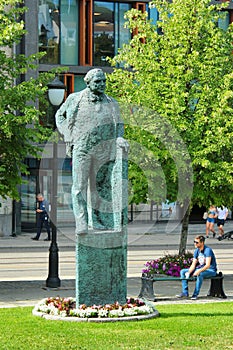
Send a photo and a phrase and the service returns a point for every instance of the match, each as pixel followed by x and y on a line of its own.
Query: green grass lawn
pixel 190 326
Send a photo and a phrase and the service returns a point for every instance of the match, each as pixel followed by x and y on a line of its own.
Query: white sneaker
pixel 182 295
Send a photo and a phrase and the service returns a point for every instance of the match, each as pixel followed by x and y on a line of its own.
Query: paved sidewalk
pixel 146 238
pixel 139 234
pixel 28 293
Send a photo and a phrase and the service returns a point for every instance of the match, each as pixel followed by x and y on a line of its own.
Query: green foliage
pixel 20 129
pixel 181 70
pixel 11 25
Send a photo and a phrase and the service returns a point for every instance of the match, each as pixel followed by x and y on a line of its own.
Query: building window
pixel 83 32
pixel 58 31
pixel 103 32
pixel 69 32
pixel 49 31
pixel 224 22
pixel 109 31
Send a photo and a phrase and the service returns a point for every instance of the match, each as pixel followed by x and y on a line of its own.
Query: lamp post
pixel 56 91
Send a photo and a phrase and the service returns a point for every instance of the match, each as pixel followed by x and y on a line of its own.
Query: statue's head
pixel 96 81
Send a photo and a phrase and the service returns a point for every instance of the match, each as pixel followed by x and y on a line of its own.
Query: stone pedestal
pixel 101 267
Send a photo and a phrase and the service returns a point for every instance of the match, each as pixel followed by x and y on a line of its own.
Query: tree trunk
pixel 184 231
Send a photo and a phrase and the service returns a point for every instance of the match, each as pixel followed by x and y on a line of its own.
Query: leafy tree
pixel 182 69
pixel 20 129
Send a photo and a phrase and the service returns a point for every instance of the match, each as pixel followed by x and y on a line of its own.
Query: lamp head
pixel 56 92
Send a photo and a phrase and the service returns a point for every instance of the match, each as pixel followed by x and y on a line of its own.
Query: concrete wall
pixel 5 217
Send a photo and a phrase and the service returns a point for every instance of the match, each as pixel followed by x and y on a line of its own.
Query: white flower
pixel 90 312
pixel 43 308
pixel 103 313
pixel 37 307
pixel 63 314
pixel 53 310
pixel 145 310
pixel 130 312
pixel 82 313
pixel 74 312
pixel 116 313
pixel 93 311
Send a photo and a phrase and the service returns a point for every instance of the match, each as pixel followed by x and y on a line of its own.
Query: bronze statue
pixel 90 123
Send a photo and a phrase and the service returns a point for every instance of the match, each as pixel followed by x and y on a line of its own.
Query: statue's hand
pixel 122 143
pixel 69 149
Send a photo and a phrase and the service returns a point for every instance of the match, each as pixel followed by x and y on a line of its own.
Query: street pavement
pixel 24 262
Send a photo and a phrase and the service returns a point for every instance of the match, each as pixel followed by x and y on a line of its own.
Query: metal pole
pixel 53 280
pixel 56 97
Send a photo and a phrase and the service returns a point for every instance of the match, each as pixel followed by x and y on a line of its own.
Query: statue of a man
pixel 90 123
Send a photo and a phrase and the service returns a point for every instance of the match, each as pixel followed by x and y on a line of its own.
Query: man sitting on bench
pixel 203 266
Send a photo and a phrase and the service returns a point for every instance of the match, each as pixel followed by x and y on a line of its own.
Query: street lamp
pixel 56 92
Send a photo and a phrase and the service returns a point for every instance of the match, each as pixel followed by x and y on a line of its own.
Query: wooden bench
pixel 147 290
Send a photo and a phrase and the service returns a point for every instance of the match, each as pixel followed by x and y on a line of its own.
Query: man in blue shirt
pixel 42 211
pixel 203 265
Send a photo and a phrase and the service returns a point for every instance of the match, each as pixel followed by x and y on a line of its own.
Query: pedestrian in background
pixel 42 210
pixel 212 215
pixel 222 216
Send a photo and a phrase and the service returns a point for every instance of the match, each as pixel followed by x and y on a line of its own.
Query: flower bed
pixel 66 308
pixel 169 265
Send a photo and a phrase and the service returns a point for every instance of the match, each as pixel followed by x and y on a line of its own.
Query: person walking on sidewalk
pixel 222 216
pixel 212 215
pixel 42 210
pixel 203 266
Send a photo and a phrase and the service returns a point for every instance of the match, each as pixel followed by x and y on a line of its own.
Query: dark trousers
pixel 42 220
